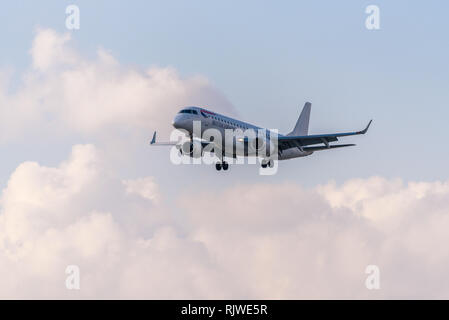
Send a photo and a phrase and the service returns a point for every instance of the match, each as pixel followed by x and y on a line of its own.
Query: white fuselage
pixel 200 123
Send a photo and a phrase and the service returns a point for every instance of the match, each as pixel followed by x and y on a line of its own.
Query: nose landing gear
pixel 222 165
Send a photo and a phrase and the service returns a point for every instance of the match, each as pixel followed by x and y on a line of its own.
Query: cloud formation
pixel 261 241
pixel 64 92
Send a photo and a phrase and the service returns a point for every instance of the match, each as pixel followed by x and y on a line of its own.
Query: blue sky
pixel 269 58
pixel 82 106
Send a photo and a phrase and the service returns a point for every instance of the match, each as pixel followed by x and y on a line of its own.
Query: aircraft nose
pixel 177 122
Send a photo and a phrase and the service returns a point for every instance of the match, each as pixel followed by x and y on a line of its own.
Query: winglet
pixel 153 141
pixel 367 127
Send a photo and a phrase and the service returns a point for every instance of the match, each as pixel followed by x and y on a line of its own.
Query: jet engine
pixel 260 145
pixel 192 149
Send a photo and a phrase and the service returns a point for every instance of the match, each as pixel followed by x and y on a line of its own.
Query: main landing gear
pixel 269 163
pixel 220 165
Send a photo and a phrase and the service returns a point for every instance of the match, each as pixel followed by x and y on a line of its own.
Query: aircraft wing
pixel 154 143
pixel 172 143
pixel 287 142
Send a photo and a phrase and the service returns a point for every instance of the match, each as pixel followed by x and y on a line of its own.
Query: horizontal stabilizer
pixel 326 148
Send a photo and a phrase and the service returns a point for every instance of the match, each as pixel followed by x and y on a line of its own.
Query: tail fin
pixel 302 125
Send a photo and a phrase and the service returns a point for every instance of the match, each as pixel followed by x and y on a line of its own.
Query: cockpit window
pixel 188 111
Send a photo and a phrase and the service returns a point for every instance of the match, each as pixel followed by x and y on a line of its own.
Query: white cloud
pixel 144 187
pixel 50 50
pixel 251 241
pixel 64 92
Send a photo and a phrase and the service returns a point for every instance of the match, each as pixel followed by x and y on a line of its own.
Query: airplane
pixel 248 142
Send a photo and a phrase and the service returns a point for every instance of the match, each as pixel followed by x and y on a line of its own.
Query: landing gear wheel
pixel 267 163
pixel 225 166
pixel 218 166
